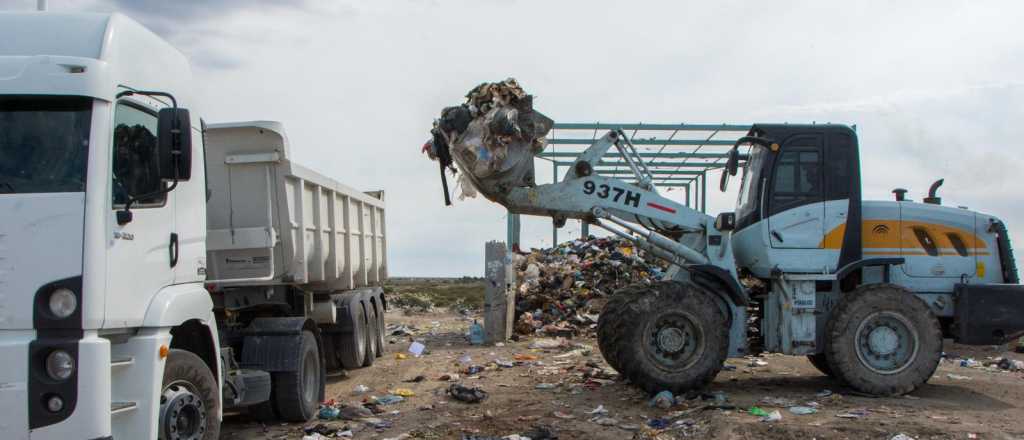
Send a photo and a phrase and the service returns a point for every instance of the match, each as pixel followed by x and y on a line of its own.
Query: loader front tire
pixel 665 336
pixel 820 361
pixel 882 339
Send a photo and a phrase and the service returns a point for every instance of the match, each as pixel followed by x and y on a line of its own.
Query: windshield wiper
pixel 10 188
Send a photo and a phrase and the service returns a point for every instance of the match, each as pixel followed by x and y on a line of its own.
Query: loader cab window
pixel 136 168
pixel 748 201
pixel 798 178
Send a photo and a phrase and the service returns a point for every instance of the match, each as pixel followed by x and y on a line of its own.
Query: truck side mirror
pixel 174 144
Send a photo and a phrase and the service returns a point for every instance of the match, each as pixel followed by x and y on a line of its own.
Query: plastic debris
pixel 773 416
pixel 525 357
pixel 658 423
pixel 606 421
pixel 328 413
pixel 476 333
pixel 546 343
pixel 354 412
pixel 360 389
pixel 563 415
pixel 824 393
pixel 466 394
pixel 663 400
pixel 901 436
pixel 802 410
pixel 853 414
pixel 952 376
pixel 600 411
pixel 757 411
pixel 389 399
pixel 401 356
pixel 403 392
pixel 546 386
pixel 417 348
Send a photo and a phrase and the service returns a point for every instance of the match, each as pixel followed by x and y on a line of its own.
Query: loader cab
pixel 800 187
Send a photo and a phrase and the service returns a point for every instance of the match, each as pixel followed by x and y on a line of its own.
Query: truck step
pixel 121 361
pixel 120 407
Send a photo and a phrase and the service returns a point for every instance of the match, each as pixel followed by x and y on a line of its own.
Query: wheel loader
pixel 867 290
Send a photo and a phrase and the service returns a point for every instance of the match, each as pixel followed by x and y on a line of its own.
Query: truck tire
pixel 189 399
pixel 882 339
pixel 371 334
pixel 352 349
pixel 820 361
pixel 378 305
pixel 296 394
pixel 610 325
pixel 672 336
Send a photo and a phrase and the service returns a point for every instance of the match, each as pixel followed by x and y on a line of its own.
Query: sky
pixel 934 88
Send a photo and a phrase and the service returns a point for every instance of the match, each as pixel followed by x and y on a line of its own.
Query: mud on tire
pixel 882 339
pixel 666 336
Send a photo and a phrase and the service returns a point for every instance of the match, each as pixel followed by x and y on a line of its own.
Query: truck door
pixel 796 210
pixel 139 252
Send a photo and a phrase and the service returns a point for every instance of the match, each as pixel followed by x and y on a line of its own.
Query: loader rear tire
pixel 666 336
pixel 820 361
pixel 882 339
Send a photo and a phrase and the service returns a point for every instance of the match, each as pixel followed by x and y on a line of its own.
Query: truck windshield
pixel 748 200
pixel 44 143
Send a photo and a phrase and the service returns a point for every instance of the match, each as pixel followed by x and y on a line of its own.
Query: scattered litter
pixel 465 360
pixel 777 401
pixel 773 416
pixel 606 421
pixel 548 343
pixel 546 386
pixel 952 376
pixel 853 414
pixel 328 413
pixel 401 356
pixel 969 363
pixel 901 436
pixel 466 394
pixel 600 411
pixel 451 377
pixel 389 399
pixel 354 412
pixel 563 415
pixel 757 411
pixel 360 389
pixel 417 348
pixel 802 410
pixel 403 392
pixel 473 369
pixel 824 393
pixel 663 400
pixel 658 423
pixel 525 357
pixel 476 333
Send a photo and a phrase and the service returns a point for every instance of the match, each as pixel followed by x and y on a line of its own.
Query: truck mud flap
pixel 273 344
pixel 988 314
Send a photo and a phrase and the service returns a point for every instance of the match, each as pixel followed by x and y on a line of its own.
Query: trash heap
pixel 491 139
pixel 562 290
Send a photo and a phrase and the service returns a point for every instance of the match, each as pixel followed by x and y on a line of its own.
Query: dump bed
pixel 273 221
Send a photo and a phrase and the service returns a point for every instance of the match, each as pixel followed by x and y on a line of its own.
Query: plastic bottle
pixel 476 334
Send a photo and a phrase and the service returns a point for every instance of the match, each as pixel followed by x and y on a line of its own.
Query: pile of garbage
pixel 562 290
pixel 491 138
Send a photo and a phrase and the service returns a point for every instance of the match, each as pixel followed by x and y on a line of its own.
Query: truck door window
pixel 136 170
pixel 797 179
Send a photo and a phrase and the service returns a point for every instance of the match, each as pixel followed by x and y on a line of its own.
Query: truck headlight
pixel 63 303
pixel 60 365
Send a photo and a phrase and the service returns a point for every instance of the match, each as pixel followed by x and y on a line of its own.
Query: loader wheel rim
pixel 674 342
pixel 182 413
pixel 887 343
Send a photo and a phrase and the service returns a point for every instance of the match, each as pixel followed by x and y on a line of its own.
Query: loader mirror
pixel 174 144
pixel 731 167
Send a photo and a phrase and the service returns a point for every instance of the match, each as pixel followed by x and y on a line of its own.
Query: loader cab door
pixel 796 209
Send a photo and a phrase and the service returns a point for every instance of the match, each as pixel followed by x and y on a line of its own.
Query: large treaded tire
pixel 378 306
pixel 820 361
pixel 296 395
pixel 611 326
pixel 861 309
pixel 630 332
pixel 371 334
pixel 186 367
pixel 352 350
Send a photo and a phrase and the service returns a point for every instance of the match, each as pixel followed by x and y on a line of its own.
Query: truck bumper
pixel 90 416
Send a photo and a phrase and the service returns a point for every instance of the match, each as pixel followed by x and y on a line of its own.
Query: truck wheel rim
pixel 310 377
pixel 182 413
pixel 674 342
pixel 887 343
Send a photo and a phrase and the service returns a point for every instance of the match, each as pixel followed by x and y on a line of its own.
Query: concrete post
pixel 500 293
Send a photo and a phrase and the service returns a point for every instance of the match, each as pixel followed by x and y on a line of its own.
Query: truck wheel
pixel 378 305
pixel 883 340
pixel 610 325
pixel 821 363
pixel 673 337
pixel 189 400
pixel 353 346
pixel 371 334
pixel 297 394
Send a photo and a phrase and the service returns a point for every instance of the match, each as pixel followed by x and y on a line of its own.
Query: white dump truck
pixel 156 270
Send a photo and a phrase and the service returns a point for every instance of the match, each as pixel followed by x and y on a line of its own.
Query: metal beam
pixel 655 172
pixel 641 141
pixel 672 155
pixel 707 165
pixel 642 126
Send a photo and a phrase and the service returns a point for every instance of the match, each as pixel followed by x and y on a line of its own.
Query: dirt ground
pixel 958 403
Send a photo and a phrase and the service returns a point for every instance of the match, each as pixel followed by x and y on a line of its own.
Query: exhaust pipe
pixel 932 199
